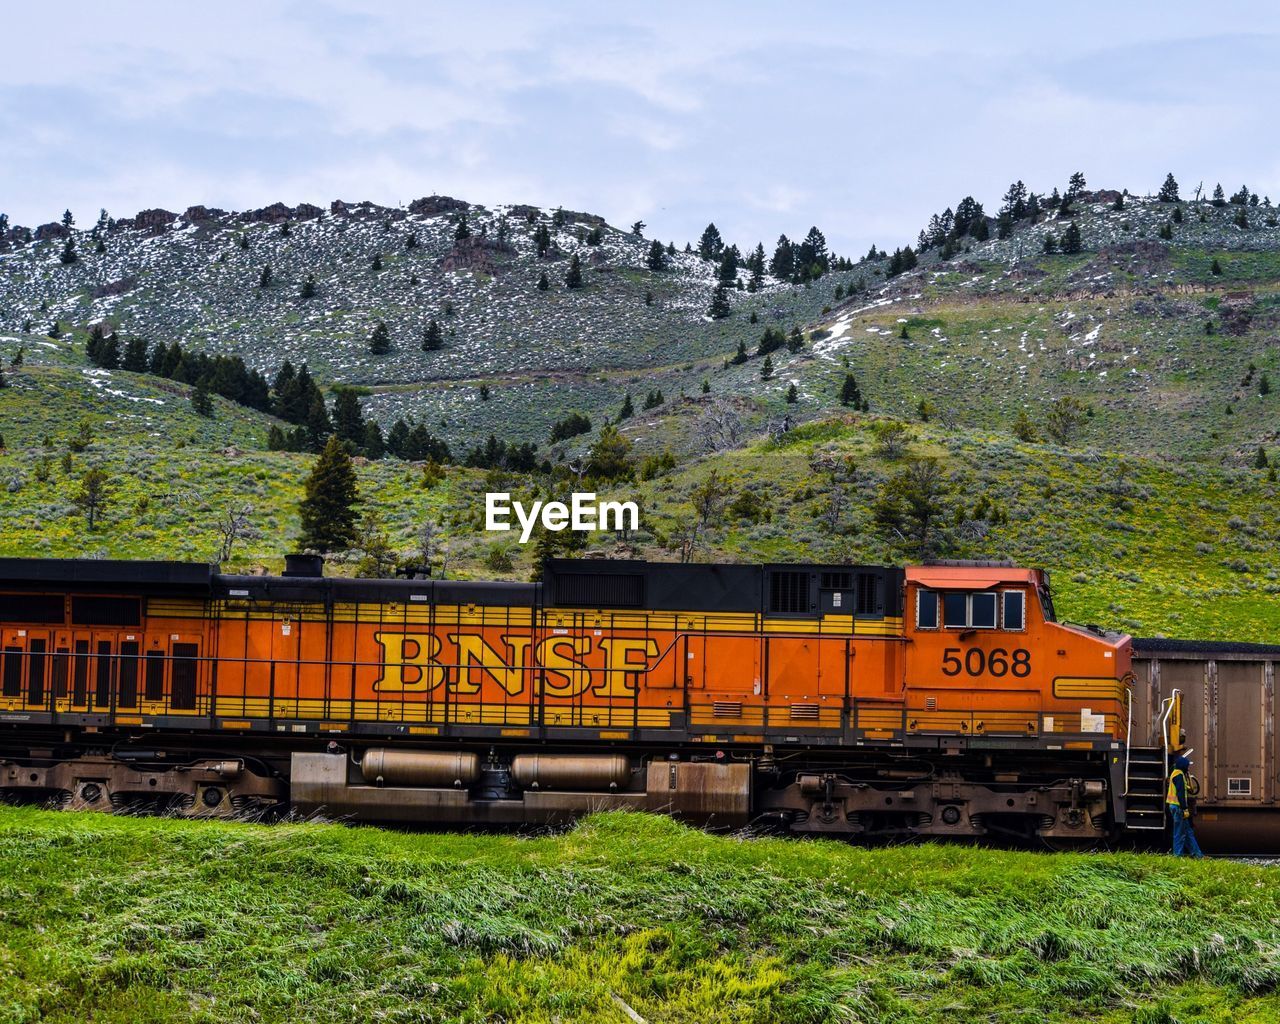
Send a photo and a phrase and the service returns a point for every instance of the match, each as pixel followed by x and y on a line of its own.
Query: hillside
pixel 625 917
pixel 1152 511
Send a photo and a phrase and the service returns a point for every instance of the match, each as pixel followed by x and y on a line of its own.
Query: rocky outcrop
pixel 51 230
pixel 153 221
pixel 203 214
pixel 430 206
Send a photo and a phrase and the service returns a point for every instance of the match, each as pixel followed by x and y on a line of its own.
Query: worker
pixel 1179 807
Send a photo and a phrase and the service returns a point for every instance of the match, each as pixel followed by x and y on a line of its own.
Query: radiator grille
pixel 726 709
pixel 804 712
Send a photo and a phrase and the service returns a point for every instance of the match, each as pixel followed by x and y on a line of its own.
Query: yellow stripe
pixel 1072 688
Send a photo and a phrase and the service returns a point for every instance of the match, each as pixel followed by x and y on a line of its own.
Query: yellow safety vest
pixel 1171 797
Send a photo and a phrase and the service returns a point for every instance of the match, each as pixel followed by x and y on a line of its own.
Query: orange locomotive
pixel 936 700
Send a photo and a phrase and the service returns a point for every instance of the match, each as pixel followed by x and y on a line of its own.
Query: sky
pixel 764 118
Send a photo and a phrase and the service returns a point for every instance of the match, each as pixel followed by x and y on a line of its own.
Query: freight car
pixel 865 701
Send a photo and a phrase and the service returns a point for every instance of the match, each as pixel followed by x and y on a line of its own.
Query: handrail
pixel 1128 740
pixel 1167 706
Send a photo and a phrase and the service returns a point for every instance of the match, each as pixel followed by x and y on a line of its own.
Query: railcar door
pixel 128 672
pixel 36 671
pixel 184 652
pixel 103 673
pixel 13 649
pixel 81 670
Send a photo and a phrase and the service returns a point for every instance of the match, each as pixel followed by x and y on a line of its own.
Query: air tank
pixel 571 771
pixel 440 768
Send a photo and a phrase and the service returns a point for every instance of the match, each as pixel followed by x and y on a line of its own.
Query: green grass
pixel 124 919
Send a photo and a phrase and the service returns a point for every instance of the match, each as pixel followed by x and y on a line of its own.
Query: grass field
pixel 150 920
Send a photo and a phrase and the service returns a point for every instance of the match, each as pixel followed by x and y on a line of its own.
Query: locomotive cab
pixel 986 656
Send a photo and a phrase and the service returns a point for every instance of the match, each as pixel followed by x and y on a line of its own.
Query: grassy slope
pixel 1134 543
pixel 138 920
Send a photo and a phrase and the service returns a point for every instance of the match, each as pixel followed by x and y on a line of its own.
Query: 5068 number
pixel 976 662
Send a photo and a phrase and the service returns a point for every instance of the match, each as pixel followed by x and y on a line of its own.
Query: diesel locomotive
pixel 863 701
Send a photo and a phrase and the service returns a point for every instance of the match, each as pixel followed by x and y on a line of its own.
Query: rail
pixel 1128 740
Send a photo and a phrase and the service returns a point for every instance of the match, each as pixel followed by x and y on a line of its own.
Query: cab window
pixel 927 609
pixel 1014 609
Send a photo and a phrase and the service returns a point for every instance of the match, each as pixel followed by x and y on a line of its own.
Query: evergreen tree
pixel 328 509
pixel 462 232
pixel 1219 197
pixel 1216 268
pixel 1071 241
pixel 1260 460
pixel 710 245
pixel 376 265
pixel 595 236
pixel 657 258
pixel 1075 188
pixel 318 424
pixel 374 446
pixel 264 279
pixel 1050 243
pixel 69 252
pixel 348 421
pixel 1169 190
pixel 67 220
pixel 542 239
pixel 740 356
pixel 755 263
pixel 543 283
pixel 792 395
pixel 380 340
pixel 200 400
pixel 94 497
pixel 783 263
pixel 411 241
pixel 432 337
pixel 766 369
pixel 1264 385
pixel 610 457
pixel 308 287
pixel 849 393
pixel 728 264
pixel 706 386
pixel 573 277
pixel 135 355
pixel 719 308
pixel 109 358
pixel 627 410
pixel 398 439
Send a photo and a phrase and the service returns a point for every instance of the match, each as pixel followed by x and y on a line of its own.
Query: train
pixel 941 700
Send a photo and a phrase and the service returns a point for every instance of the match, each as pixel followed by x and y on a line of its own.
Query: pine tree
pixel 1216 268
pixel 710 245
pixel 1260 460
pixel 94 496
pixel 543 283
pixel 627 410
pixel 1219 196
pixel 1050 243
pixel 792 395
pixel 706 386
pixel 328 509
pixel 67 220
pixel 542 239
pixel 348 421
pixel 719 308
pixel 573 277
pixel 1071 241
pixel 766 369
pixel 109 354
pixel 849 393
pixel 135 355
pixel 376 265
pixel 1264 385
pixel 432 337
pixel 69 252
pixel 657 258
pixel 264 279
pixel 1169 190
pixel 380 340
pixel 200 400
pixel 309 287
pixel 740 356
pixel 462 232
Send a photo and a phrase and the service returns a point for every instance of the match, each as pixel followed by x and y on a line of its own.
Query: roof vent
pixel 303 565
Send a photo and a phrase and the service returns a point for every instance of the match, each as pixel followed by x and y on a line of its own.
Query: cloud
pixel 761 117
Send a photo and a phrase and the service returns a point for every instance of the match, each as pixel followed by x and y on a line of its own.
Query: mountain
pixel 1100 412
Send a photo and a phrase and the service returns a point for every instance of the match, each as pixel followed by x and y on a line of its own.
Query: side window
pixel 1013 609
pixel 982 611
pixel 927 609
pixel 955 610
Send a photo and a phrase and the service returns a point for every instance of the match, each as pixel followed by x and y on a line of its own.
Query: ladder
pixel 1146 769
pixel 1146 782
